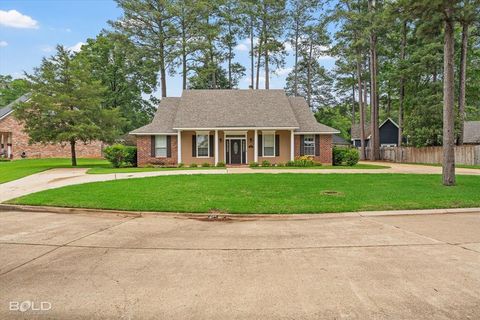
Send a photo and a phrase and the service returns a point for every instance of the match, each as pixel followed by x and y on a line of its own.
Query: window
pixel 269 145
pixel 309 145
pixel 161 146
pixel 203 145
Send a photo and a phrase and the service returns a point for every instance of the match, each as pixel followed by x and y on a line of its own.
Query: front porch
pixel 6 145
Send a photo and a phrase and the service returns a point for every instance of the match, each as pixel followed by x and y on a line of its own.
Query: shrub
pixel 221 164
pixel 205 165
pixel 351 157
pixel 116 154
pixel 338 156
pixel 253 164
pixel 266 163
pixel 181 165
pixel 131 156
pixel 304 161
pixel 193 165
pixel 280 164
pixel 290 163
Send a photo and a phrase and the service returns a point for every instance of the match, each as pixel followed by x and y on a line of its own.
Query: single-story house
pixel 339 141
pixel 14 142
pixel 233 126
pixel 388 134
pixel 471 132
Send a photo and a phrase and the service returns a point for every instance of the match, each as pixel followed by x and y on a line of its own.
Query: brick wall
pixel 144 152
pixel 20 144
pixel 325 156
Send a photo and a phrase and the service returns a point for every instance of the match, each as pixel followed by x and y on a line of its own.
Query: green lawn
pixel 357 166
pixel 12 170
pixel 266 193
pixel 109 169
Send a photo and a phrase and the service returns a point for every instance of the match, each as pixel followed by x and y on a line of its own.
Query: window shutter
pixel 260 148
pixel 169 146
pixel 194 145
pixel 277 145
pixel 302 145
pixel 212 144
pixel 317 145
pixel 152 146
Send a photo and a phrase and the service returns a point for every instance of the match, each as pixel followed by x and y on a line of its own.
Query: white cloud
pixel 288 46
pixel 76 47
pixel 15 19
pixel 241 47
pixel 3 44
pixel 283 71
pixel 46 49
pixel 68 30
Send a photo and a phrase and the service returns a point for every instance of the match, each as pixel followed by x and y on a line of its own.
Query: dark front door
pixel 236 151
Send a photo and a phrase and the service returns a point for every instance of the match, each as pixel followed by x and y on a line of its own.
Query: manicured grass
pixel 109 169
pixel 357 166
pixel 266 193
pixel 16 169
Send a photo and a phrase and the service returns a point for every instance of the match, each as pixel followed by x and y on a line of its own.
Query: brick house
pixel 14 141
pixel 233 126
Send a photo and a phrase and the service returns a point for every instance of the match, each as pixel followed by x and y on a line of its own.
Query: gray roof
pixel 338 140
pixel 164 117
pixel 355 131
pixel 234 108
pixel 305 117
pixel 9 107
pixel 210 109
pixel 471 132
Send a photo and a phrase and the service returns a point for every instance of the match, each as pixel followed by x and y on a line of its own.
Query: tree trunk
pixel 252 62
pixel 229 58
pixel 353 100
pixel 448 172
pixel 375 134
pixel 267 71
pixel 402 84
pixel 361 108
pixel 184 56
pixel 258 61
pixel 73 153
pixel 295 66
pixel 463 78
pixel 309 76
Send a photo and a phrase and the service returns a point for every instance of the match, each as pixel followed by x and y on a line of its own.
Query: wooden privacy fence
pixel 469 155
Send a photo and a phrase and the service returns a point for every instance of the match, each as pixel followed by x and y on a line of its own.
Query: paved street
pixel 299 267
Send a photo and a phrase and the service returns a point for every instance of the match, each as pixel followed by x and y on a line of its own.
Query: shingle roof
pixel 164 117
pixel 305 117
pixel 234 108
pixel 337 140
pixel 355 131
pixel 471 132
pixel 210 109
pixel 9 107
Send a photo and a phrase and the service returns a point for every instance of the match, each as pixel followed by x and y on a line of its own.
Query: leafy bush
pixel 193 165
pixel 221 164
pixel 280 164
pixel 253 164
pixel 120 155
pixel 304 161
pixel 342 156
pixel 351 157
pixel 205 165
pixel 290 163
pixel 266 163
pixel 181 165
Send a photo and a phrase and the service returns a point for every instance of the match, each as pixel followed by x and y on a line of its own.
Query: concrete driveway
pixel 301 267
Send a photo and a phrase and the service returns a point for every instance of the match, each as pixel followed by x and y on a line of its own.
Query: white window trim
pixel 203 133
pixel 268 133
pixel 166 146
pixel 311 155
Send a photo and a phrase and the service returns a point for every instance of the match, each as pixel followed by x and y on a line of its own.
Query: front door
pixel 235 151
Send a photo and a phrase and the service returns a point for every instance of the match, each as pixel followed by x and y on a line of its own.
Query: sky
pixel 30 30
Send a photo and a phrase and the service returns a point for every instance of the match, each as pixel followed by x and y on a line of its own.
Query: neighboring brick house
pixel 233 126
pixel 14 141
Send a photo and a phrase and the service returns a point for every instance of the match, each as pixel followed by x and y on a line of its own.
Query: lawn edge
pixel 288 216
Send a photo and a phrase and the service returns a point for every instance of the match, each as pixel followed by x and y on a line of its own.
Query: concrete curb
pixel 220 216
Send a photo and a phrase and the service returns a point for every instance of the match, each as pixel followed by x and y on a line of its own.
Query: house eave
pixel 6 115
pixel 237 128
pixel 316 132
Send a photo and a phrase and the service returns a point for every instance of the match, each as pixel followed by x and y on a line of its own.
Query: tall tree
pixel 11 89
pixel 116 64
pixel 66 104
pixel 374 122
pixel 149 24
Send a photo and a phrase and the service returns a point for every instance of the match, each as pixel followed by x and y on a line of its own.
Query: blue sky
pixel 30 30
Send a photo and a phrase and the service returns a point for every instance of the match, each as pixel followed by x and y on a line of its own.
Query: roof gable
pixel 8 109
pixel 306 119
pixel 471 132
pixel 163 120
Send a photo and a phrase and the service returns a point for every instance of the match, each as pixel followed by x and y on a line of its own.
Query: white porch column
pixel 216 147
pixel 255 147
pixel 179 146
pixel 292 146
